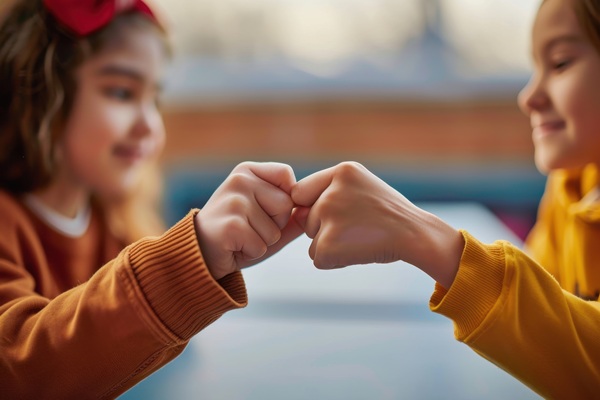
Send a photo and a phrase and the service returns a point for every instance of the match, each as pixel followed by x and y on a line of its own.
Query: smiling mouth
pixel 548 128
pixel 129 154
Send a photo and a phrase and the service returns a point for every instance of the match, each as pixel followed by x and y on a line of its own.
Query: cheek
pixel 95 124
pixel 159 133
pixel 584 117
pixel 567 98
pixel 580 98
pixel 579 108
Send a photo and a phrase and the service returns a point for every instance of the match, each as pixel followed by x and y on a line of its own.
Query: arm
pixel 504 305
pixel 98 339
pixel 138 311
pixel 515 314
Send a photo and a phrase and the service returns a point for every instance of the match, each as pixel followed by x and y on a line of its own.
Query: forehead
pixel 135 42
pixel 555 18
pixel 138 49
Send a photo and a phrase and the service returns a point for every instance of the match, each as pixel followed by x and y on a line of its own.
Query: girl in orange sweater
pixel 93 295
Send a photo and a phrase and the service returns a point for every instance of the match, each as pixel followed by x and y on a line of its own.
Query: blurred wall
pixel 380 132
pixel 431 151
pixel 422 92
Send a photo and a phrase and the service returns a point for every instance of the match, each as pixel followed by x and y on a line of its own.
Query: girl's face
pixel 114 127
pixel 562 98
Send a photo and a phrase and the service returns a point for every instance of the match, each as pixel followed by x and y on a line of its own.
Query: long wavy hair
pixel 38 60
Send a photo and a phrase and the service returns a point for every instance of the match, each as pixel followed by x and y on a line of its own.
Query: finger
pixel 300 215
pixel 250 250
pixel 247 242
pixel 276 203
pixel 264 226
pixel 289 233
pixel 325 255
pixel 277 174
pixel 312 250
pixel 312 224
pixel 308 190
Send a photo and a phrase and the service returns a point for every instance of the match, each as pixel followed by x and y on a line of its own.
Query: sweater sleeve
pixel 100 338
pixel 512 312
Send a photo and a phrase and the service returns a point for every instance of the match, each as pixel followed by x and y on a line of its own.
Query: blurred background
pixel 422 92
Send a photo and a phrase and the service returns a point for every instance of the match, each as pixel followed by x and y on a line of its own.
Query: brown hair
pixel 588 13
pixel 38 60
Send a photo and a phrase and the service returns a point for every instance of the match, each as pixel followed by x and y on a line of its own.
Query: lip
pixel 547 128
pixel 130 154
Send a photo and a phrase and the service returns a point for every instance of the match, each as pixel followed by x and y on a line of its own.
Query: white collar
pixel 72 227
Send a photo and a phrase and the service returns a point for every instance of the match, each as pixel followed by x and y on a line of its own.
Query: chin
pixel 545 165
pixel 118 190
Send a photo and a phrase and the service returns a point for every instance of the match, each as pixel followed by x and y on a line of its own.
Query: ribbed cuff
pixel 177 284
pixel 476 288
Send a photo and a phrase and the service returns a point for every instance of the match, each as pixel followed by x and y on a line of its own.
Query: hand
pixel 247 219
pixel 356 218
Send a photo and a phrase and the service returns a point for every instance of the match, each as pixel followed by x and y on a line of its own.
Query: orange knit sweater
pixel 86 318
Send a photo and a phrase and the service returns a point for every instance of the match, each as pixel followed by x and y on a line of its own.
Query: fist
pixel 356 218
pixel 247 218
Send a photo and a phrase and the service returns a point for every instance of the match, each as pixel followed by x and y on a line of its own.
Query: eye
pixel 119 93
pixel 560 65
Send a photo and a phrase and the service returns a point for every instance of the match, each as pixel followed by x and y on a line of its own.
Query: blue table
pixel 364 332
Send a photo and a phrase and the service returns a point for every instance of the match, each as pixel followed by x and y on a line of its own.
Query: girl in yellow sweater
pixel 86 311
pixel 538 318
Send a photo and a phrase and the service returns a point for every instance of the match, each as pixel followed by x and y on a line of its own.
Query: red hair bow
pixel 86 16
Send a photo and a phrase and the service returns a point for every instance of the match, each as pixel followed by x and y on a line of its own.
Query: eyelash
pixel 124 94
pixel 560 65
pixel 119 93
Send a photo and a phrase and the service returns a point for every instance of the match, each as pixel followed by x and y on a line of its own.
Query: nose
pixel 148 122
pixel 533 96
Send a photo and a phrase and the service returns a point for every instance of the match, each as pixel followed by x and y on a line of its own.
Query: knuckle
pixel 284 204
pixel 348 169
pixel 235 225
pixel 238 181
pixel 243 166
pixel 287 170
pixel 238 204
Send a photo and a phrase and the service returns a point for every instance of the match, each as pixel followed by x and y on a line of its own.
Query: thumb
pixel 300 215
pixel 308 190
pixel 277 174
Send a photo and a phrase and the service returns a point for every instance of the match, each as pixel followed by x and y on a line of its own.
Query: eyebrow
pixel 560 39
pixel 119 70
pixel 123 71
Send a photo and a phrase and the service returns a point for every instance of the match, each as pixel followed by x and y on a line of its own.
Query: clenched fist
pixel 354 217
pixel 247 219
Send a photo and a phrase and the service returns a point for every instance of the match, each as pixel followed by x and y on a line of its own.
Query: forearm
pixel 100 338
pixel 512 312
pixel 437 247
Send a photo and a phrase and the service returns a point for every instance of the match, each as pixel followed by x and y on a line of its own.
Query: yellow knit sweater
pixel 86 318
pixel 538 320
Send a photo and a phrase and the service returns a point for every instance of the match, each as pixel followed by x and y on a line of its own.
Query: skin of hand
pixel 354 217
pixel 248 217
